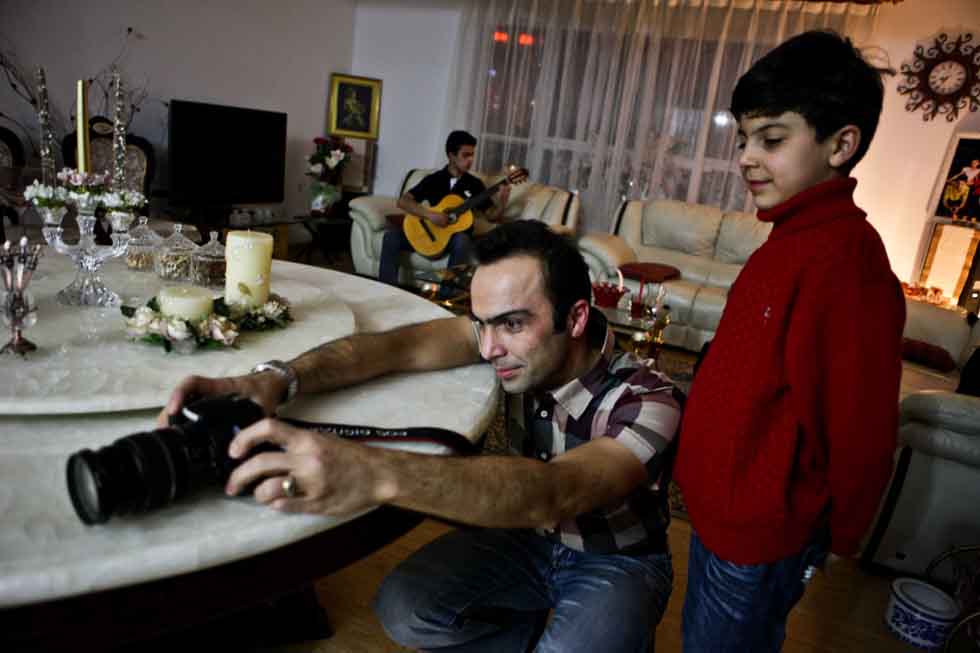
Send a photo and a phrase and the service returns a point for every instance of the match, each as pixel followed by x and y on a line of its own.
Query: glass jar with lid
pixel 208 264
pixel 144 244
pixel 174 258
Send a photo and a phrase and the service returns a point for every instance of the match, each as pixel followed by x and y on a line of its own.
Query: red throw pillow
pixel 926 354
pixel 650 272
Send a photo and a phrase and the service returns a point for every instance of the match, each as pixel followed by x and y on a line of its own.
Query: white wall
pixel 410 47
pixel 249 53
pixel 897 177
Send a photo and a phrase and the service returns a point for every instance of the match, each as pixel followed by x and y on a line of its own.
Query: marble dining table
pixel 88 385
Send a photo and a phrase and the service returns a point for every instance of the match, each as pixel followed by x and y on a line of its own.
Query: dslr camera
pixel 144 471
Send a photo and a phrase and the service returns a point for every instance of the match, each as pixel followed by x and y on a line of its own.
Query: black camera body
pixel 148 470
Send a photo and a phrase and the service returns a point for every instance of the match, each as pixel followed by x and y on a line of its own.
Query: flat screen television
pixel 221 156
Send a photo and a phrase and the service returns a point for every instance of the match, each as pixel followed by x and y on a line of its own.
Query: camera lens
pixel 133 474
pixel 148 470
pixel 83 488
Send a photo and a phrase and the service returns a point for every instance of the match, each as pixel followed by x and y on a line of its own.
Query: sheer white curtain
pixel 621 99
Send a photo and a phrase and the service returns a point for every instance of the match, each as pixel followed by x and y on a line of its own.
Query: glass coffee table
pixel 449 287
pixel 640 335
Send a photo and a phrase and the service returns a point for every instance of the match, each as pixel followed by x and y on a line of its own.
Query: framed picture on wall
pixel 355 106
pixel 957 195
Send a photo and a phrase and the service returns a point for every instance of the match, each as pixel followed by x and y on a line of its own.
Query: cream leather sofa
pixel 528 201
pixel 933 497
pixel 707 245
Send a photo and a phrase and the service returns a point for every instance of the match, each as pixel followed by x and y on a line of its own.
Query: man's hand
pixel 333 477
pixel 439 219
pixel 266 389
pixel 503 196
pixel 500 203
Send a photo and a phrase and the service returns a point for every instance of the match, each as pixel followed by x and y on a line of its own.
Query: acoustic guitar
pixel 429 239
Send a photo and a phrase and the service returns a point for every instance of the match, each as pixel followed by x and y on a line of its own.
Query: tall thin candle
pixel 82 149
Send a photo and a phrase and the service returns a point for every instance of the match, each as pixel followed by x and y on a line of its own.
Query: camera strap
pixel 444 437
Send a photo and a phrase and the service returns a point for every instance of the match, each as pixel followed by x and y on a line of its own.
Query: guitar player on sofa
pixel 456 179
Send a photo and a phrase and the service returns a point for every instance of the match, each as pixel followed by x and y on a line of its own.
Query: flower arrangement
pixel 45 196
pixel 82 183
pixel 218 330
pixel 328 159
pixel 124 200
pixel 325 166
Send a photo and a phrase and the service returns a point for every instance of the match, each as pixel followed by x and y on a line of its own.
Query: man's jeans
pixel 394 242
pixel 491 589
pixel 730 607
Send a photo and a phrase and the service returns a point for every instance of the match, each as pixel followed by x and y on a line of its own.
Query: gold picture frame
pixel 355 107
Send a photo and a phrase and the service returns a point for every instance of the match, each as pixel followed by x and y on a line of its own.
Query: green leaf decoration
pixel 153 304
pixel 243 289
pixel 127 311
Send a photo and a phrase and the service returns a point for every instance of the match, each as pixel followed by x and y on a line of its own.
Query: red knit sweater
pixel 792 418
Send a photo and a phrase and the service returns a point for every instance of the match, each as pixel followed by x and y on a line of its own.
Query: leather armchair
pixel 554 206
pixel 931 503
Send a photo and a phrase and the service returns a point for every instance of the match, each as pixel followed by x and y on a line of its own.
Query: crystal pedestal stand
pixel 88 289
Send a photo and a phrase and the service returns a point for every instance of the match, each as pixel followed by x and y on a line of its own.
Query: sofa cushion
pixel 923 353
pixel 709 304
pixel 740 234
pixel 680 296
pixel 688 228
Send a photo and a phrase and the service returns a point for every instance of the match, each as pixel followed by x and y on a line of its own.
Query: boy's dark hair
pixel 458 139
pixel 821 76
pixel 566 276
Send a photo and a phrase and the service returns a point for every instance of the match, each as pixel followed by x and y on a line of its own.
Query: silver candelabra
pixel 87 289
pixel 19 308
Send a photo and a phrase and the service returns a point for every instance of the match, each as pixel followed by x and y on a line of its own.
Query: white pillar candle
pixel 186 302
pixel 248 256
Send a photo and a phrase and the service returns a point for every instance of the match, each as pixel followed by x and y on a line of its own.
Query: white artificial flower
pixel 143 317
pixel 176 329
pixel 113 200
pixel 133 199
pixel 273 310
pixel 219 328
pixel 336 156
pixel 316 168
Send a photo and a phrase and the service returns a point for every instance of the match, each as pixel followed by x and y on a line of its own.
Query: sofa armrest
pixel 370 211
pixel 942 423
pixel 605 253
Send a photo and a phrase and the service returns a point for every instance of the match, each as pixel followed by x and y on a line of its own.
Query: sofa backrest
pixel 528 201
pixel 740 234
pixel 708 246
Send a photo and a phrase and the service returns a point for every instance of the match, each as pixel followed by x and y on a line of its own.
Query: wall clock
pixel 943 78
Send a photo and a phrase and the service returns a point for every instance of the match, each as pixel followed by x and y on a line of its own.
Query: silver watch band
pixel 277 366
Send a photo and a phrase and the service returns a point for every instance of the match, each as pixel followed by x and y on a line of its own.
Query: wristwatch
pixel 280 368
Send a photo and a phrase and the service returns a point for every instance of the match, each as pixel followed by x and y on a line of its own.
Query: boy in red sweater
pixel 790 427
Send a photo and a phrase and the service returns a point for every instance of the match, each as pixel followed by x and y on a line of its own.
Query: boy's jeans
pixel 741 608
pixel 491 589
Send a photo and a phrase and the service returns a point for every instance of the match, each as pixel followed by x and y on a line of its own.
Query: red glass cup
pixel 638 309
pixel 606 294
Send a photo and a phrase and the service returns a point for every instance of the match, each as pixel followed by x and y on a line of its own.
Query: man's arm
pixel 408 204
pixel 340 478
pixel 500 199
pixel 437 344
